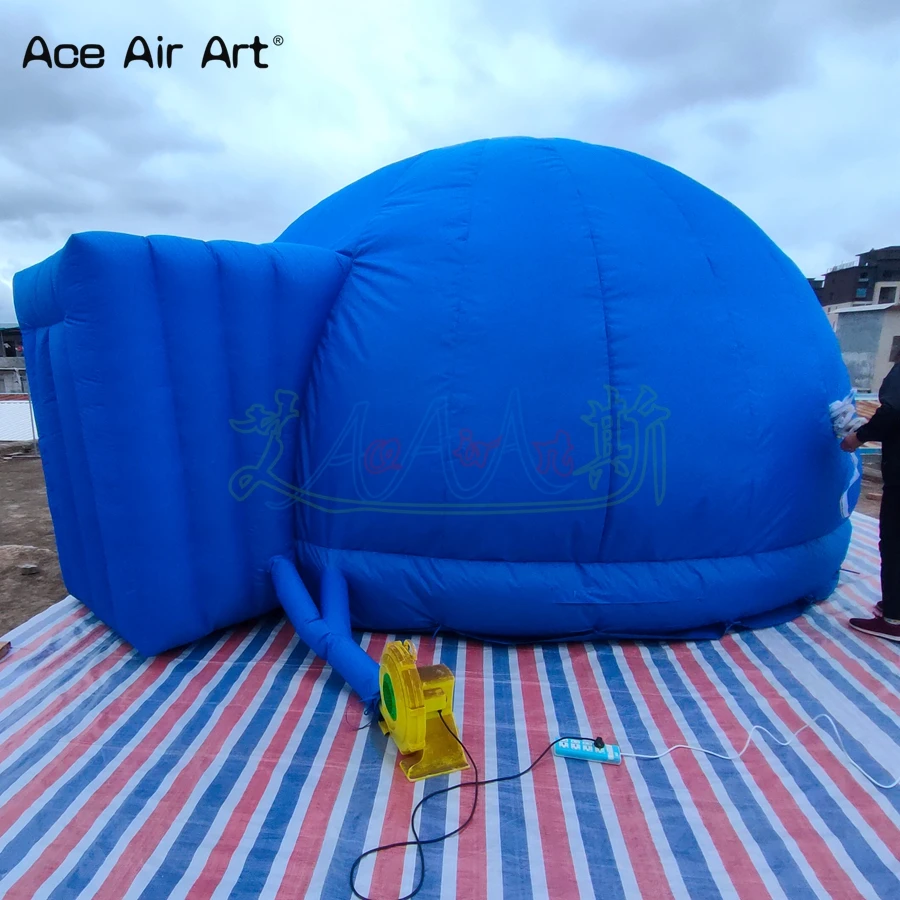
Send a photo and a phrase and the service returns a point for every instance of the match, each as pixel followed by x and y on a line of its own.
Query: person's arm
pixel 885 423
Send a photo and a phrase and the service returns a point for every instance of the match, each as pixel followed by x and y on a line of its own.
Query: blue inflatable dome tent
pixel 514 389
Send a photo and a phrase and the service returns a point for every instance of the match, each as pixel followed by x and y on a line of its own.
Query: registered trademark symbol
pixel 278 40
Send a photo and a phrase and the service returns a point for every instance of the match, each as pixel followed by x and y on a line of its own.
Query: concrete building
pixel 870 341
pixel 818 285
pixel 10 340
pixel 861 281
pixel 12 363
pixel 862 302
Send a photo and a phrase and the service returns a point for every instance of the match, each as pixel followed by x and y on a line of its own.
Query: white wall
pixel 889 330
pixel 16 420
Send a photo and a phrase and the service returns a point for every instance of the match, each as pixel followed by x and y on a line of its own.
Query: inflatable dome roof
pixel 514 389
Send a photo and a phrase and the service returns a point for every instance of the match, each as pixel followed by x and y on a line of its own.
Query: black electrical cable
pixel 418 842
pixel 366 713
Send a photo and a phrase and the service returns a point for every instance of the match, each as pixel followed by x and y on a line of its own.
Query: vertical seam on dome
pixel 460 288
pixel 328 322
pixel 784 262
pixel 609 368
pixel 315 359
pixel 379 212
pixel 741 349
pixel 791 270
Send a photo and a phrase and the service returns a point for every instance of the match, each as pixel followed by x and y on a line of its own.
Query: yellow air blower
pixel 413 700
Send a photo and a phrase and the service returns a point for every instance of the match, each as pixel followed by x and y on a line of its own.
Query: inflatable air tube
pixel 327 634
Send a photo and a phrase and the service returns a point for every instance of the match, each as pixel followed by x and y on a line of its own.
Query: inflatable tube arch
pixel 515 389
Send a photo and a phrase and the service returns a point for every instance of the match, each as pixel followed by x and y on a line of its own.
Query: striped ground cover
pixel 235 768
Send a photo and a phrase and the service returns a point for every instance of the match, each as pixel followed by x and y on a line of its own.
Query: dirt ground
pixel 870 494
pixel 870 506
pixel 26 536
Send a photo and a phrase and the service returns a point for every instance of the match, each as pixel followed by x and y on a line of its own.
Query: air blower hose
pixel 327 633
pixel 414 704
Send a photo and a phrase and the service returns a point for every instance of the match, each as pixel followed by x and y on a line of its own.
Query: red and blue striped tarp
pixel 237 768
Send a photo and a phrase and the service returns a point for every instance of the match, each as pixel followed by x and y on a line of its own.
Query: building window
pixel 895 349
pixel 888 294
pixel 864 277
pixel 861 293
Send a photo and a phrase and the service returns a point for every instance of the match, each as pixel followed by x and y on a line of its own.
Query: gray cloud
pixel 83 150
pixel 64 134
pixel 686 52
pixel 775 104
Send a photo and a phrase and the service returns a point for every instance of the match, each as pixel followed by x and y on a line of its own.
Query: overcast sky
pixel 786 107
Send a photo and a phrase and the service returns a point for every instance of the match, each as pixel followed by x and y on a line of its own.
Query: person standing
pixel 884 426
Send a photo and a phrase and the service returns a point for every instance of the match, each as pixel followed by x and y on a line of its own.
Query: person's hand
pixel 851 442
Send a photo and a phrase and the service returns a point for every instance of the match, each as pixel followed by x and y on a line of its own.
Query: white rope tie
pixel 844 418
